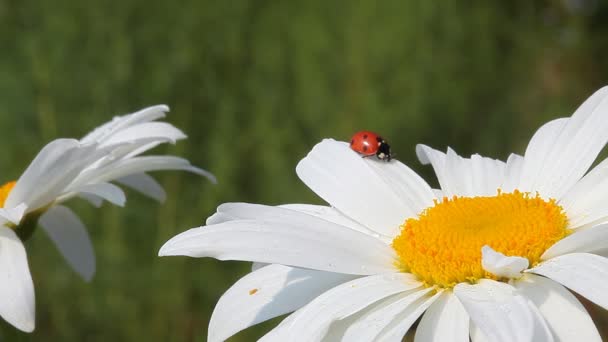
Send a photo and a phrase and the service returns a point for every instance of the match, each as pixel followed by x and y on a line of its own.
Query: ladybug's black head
pixel 384 150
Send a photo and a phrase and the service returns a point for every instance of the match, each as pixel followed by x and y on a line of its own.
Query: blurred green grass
pixel 255 84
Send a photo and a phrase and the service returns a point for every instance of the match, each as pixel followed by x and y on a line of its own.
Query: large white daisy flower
pixel 66 168
pixel 491 255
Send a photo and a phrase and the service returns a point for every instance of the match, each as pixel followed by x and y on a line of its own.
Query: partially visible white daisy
pixel 87 168
pixel 491 255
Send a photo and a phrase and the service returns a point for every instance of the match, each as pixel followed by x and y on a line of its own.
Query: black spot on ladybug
pixel 365 148
pixel 364 136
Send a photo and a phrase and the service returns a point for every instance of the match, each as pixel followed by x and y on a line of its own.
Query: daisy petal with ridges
pixel 491 255
pixel 246 303
pixel 86 168
pixel 17 304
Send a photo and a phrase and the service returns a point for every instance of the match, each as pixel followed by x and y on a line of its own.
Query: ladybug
pixel 369 144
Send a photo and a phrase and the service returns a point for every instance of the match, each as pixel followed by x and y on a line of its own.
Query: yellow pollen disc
pixel 4 191
pixel 443 245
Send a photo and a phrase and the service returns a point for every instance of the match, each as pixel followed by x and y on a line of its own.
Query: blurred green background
pixel 255 84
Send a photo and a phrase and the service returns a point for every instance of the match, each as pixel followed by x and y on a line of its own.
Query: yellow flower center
pixel 4 191
pixel 443 245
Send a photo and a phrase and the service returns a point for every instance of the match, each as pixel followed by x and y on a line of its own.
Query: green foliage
pixel 255 84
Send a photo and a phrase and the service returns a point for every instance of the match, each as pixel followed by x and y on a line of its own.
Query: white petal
pixel 287 237
pixel 446 320
pixel 565 315
pixel 312 322
pixel 476 333
pixel 218 218
pixel 267 293
pixel 513 171
pixel 437 159
pixel 145 131
pixel 502 265
pixel 16 286
pixel 54 167
pixel 348 182
pixel 488 175
pixel 257 265
pixel 12 215
pixel 143 148
pixel 253 211
pixel 145 184
pixel 542 332
pixel 399 327
pixel 585 202
pixel 118 123
pixel 116 153
pixel 136 165
pixel 573 151
pixel 377 318
pixel 95 201
pixel 537 152
pixel 583 273
pixel 106 191
pixel 458 176
pixel 71 238
pixel 497 310
pixel 588 240
pixel 407 184
pixel 439 194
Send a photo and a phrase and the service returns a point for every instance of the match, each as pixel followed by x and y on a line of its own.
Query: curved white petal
pixel 403 308
pixel 439 194
pixel 487 175
pixel 537 152
pixel 437 159
pixel 234 211
pixel 445 321
pixel 458 176
pixel 105 191
pixel 267 293
pixel 397 330
pixel 573 149
pixel 145 184
pixel 565 315
pixel 348 182
pixel 257 265
pixel 583 273
pixel 476 334
pixel 136 165
pixel 594 239
pixel 585 202
pixel 71 238
pixel 12 215
pixel 407 184
pixel 49 173
pixel 542 332
pixel 95 201
pixel 497 310
pixel 502 265
pixel 312 322
pixel 118 123
pixel 513 172
pixel 290 238
pixel 149 130
pixel 16 286
pixel 332 215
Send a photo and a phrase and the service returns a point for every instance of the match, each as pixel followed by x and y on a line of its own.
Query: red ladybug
pixel 369 144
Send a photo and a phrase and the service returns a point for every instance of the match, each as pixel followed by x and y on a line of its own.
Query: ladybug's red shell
pixel 365 142
pixel 369 144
